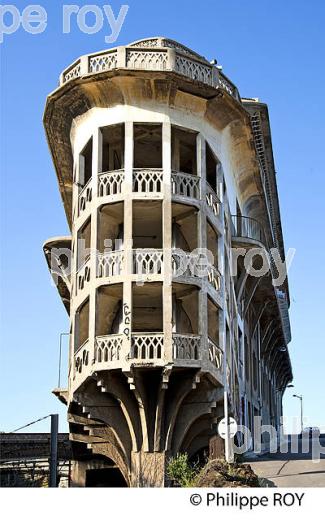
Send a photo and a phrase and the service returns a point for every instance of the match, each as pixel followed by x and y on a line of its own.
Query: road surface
pixel 292 469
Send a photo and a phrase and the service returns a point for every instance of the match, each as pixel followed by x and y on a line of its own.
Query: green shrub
pixel 181 471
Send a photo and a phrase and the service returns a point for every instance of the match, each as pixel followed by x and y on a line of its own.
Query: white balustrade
pixel 102 62
pixel 73 72
pixel 148 261
pixel 186 346
pixel 83 275
pixel 229 87
pixel 146 59
pixel 85 196
pixel 214 278
pixel 212 200
pixel 188 264
pixel 194 69
pixel 215 354
pixel 110 264
pixel 153 55
pixel 108 348
pixel 147 346
pixel 185 185
pixel 147 180
pixel 183 263
pixel 110 183
pixel 81 357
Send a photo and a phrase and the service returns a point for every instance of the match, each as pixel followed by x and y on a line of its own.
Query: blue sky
pixel 271 49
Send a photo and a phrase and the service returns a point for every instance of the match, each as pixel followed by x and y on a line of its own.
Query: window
pixel 82 324
pixel 147 146
pixel 113 147
pixel 85 163
pixel 211 168
pixel 184 151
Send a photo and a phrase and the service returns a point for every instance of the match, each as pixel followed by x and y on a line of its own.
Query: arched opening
pixel 105 477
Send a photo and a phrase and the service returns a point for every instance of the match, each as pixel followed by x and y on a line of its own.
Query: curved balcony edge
pixel 146 350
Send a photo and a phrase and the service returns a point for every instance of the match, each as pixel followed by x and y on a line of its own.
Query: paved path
pixel 291 469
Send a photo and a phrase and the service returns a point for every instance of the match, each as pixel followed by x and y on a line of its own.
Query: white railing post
pixel 96 167
pixel 84 62
pixel 202 244
pixel 167 242
pixel 128 240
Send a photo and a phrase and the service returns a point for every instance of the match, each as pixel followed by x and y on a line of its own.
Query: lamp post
pixel 301 412
pixel 279 393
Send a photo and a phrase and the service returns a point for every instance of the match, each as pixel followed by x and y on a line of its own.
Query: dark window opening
pixel 113 148
pixel 147 308
pixel 83 243
pixel 147 146
pixel 211 168
pixel 86 162
pixel 184 151
pixel 82 325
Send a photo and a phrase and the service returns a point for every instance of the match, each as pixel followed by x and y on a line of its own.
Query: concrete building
pixel 25 459
pixel 159 159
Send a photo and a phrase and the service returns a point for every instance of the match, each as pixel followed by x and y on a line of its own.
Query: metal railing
pixel 247 227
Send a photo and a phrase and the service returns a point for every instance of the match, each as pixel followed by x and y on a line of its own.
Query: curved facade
pixel 160 167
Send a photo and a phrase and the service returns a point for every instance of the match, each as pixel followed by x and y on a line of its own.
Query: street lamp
pixel 301 412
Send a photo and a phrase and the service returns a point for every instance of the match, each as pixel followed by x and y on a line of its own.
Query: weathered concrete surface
pixel 292 470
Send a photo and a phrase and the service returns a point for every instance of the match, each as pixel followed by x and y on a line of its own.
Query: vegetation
pixel 181 471
pixel 215 473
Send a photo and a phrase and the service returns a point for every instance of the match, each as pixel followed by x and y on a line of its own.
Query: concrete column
pixel 222 317
pixel 128 237
pixel 167 242
pixel 96 168
pixel 74 260
pixel 202 244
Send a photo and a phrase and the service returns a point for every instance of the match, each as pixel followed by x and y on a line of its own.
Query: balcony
pixel 147 180
pixel 108 348
pixel 213 202
pixel 117 351
pixel 247 231
pixel 148 262
pixel 110 183
pixel 148 183
pixel 185 265
pixel 110 264
pixel 154 54
pixel 215 354
pixel 186 186
pixel 82 362
pixel 147 346
pixel 83 276
pixel 85 197
pixel 186 346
